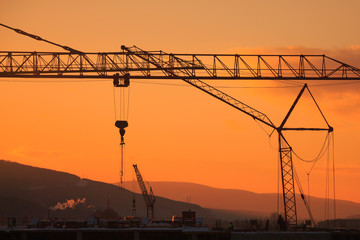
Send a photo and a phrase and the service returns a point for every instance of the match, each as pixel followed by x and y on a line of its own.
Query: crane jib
pixel 184 66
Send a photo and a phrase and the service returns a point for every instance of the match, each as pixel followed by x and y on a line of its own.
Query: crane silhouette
pixel 194 69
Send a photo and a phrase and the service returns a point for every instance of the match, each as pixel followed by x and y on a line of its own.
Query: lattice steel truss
pixel 287 178
pixel 188 66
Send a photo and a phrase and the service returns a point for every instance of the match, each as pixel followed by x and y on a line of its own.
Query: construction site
pixel 134 63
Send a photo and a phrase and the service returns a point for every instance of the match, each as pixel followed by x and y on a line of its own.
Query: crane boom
pixel 76 64
pixel 148 196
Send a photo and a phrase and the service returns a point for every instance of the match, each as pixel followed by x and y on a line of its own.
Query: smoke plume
pixel 70 203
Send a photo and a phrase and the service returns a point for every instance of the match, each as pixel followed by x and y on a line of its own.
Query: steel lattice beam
pixel 287 177
pixel 189 66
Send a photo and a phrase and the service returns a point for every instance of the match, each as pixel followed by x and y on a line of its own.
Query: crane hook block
pixel 121 124
pixel 122 133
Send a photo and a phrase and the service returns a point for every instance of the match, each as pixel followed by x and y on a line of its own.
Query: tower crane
pixel 194 69
pixel 149 197
pixel 285 150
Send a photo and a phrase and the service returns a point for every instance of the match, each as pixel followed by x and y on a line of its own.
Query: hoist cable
pixel 120 150
pixel 114 103
pixel 278 188
pixel 122 167
pixel 292 82
pixel 120 104
pixel 262 127
pixel 312 167
pixel 333 156
pixel 327 217
pixel 121 145
pixel 320 154
pixel 308 180
pixel 123 116
pixel 128 103
pixel 123 103
pixel 172 84
pixel 297 180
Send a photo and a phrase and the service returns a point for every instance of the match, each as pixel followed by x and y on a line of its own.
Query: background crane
pixel 136 63
pixel 148 196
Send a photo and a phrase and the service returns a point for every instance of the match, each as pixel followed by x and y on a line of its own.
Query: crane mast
pixel 149 197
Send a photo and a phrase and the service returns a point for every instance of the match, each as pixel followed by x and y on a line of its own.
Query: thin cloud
pixel 344 94
pixel 26 153
pixel 349 54
pixel 353 170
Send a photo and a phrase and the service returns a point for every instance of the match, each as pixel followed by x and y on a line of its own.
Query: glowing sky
pixel 176 132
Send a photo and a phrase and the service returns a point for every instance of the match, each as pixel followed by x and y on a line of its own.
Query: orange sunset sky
pixel 176 132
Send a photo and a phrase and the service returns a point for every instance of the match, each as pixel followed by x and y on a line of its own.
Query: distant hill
pixel 357 216
pixel 254 204
pixel 27 191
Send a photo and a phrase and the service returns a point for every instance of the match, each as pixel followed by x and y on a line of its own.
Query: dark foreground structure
pixel 167 234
